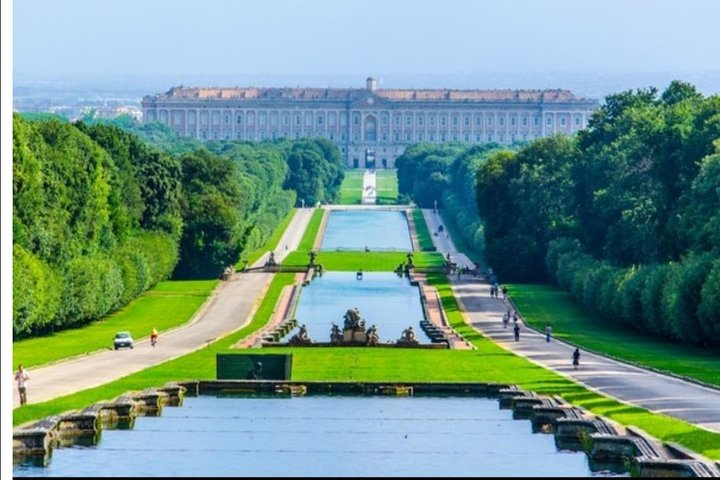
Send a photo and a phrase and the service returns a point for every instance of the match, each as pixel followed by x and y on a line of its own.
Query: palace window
pixel 397 136
pixel 577 121
pixel 490 120
pixel 536 121
pixel 216 135
pixel 227 119
pixel 478 120
pixel 408 120
pixel 216 118
pixel 331 119
pixel 467 120
pixel 455 137
pixel 356 119
pixel 408 137
pixel 262 118
pixel 285 119
pixel 320 119
pixel 454 120
pixel 343 119
pixel 432 137
pixel 384 137
pixel 548 121
pixel 273 119
pixel 432 120
pixel 239 135
pixel 501 138
pixel 513 121
pixel 297 120
pixel 442 137
pixel 501 121
pixel 239 118
pixel 562 121
pixel 467 137
pixel 396 120
pixel 191 117
pixel 308 119
pixel 250 118
pixel 384 120
pixel 421 120
pixel 443 120
pixel 490 137
pixel 477 138
pixel 176 118
pixel 420 137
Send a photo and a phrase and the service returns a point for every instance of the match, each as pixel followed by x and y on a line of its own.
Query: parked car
pixel 123 339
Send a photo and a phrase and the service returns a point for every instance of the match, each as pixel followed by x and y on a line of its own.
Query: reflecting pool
pixel 322 436
pixel 375 229
pixel 384 299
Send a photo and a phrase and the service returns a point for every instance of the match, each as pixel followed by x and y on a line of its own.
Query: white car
pixel 123 339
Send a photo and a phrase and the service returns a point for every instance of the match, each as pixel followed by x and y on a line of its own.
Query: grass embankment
pixel 270 244
pixel 196 365
pixel 574 323
pixel 308 239
pixel 169 304
pixel 387 187
pixel 423 233
pixel 351 188
pixel 367 261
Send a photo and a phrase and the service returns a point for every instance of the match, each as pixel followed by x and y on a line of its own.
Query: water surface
pixel 322 436
pixel 382 230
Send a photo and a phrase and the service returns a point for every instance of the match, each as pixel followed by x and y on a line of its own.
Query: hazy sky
pixel 55 38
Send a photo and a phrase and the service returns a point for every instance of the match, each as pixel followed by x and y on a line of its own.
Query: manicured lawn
pixel 367 261
pixel 308 239
pixel 270 244
pixel 423 234
pixel 572 322
pixel 169 304
pixel 387 187
pixel 351 188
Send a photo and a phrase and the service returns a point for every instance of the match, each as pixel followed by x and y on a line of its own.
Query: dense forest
pixel 102 214
pixel 625 214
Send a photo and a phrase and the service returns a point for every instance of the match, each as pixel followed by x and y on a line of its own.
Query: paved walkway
pixel 656 392
pixel 443 243
pixel 369 193
pixel 229 308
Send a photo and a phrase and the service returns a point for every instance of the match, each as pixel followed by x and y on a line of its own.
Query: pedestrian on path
pixel 21 377
pixel 548 333
pixel 506 319
pixel 504 291
pixel 516 330
pixel 576 358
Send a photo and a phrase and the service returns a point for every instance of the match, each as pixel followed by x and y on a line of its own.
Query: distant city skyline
pixel 182 38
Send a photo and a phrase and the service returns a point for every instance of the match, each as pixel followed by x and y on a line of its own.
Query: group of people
pixel 495 291
pixel 548 334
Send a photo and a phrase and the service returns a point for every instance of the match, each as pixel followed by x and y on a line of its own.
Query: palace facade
pixel 368 124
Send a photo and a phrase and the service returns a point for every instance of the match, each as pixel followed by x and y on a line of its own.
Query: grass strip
pixel 387 187
pixel 423 233
pixel 308 239
pixel 351 188
pixel 367 261
pixel 271 243
pixel 195 365
pixel 573 322
pixel 168 305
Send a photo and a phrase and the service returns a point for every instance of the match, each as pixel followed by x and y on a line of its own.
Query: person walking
pixel 516 331
pixel 548 333
pixel 21 377
pixel 153 336
pixel 576 358
pixel 504 292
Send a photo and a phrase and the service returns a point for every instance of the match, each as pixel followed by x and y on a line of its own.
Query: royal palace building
pixel 368 124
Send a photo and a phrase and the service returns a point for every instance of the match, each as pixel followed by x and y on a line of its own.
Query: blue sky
pixel 53 38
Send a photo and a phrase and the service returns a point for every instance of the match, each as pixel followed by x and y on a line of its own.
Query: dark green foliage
pixel 626 216
pixel 315 171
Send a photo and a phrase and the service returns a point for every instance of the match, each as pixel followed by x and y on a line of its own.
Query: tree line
pixel 625 215
pixel 101 214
